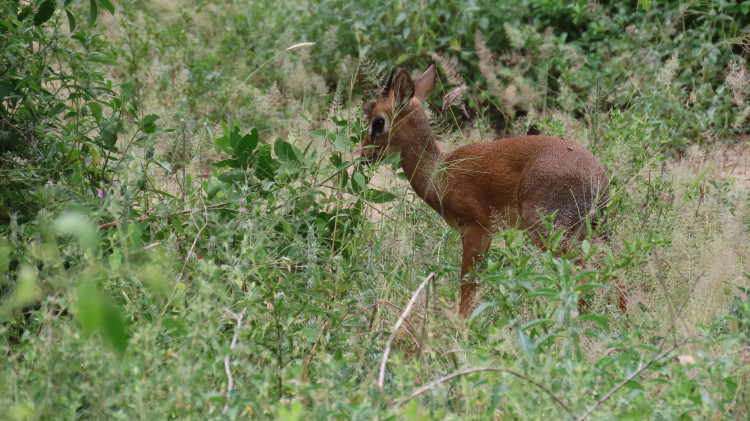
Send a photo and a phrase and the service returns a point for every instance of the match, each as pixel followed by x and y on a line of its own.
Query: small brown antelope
pixel 482 187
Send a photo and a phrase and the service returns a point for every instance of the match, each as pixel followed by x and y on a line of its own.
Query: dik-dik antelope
pixel 483 187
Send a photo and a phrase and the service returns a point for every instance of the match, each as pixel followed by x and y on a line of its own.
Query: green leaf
pixel 245 146
pixel 360 180
pixel 585 247
pixel 285 151
pixel 113 325
pixel 96 111
pixel 310 335
pixel 78 226
pixel 234 137
pixel 599 319
pixel 480 308
pixel 148 123
pixel 71 21
pixel 98 57
pixel 527 347
pixel 342 144
pixel 231 163
pixel 107 5
pixel 379 196
pixel 5 90
pixel 173 326
pixel 115 259
pixel 93 12
pixel 266 165
pixel 90 309
pixel 213 187
pixel 45 12
pixel 24 13
pixel 126 89
pixel 634 385
pixel 108 134
pixel 5 250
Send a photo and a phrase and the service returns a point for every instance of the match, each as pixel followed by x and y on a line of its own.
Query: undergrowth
pixel 187 232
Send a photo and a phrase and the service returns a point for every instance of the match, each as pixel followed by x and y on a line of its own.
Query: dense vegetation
pixel 185 231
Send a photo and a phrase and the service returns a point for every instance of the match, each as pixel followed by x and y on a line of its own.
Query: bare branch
pixel 230 379
pixel 312 353
pixel 381 377
pixel 451 376
pixel 634 374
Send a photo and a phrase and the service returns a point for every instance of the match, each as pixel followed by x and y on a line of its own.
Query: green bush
pixel 186 232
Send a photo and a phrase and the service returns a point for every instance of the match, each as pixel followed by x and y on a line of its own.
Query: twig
pixel 451 376
pixel 142 218
pixel 351 316
pixel 641 368
pixel 381 377
pixel 187 258
pixel 230 379
pixel 312 353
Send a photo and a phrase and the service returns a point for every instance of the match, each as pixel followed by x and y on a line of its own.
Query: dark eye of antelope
pixel 378 126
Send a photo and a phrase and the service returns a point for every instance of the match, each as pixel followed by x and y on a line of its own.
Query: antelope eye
pixel 378 124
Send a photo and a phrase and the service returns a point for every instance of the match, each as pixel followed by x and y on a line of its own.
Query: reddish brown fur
pixel 480 188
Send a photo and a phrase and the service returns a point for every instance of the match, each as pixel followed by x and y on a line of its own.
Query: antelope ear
pixel 403 88
pixel 367 107
pixel 387 88
pixel 425 84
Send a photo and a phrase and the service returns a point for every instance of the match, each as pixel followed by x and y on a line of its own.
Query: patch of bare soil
pixel 735 161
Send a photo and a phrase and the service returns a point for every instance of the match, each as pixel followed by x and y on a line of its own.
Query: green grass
pixel 182 210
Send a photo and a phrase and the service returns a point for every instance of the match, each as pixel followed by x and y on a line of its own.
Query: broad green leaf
pixel 78 226
pixel 5 250
pixel 107 5
pixel 98 57
pixel 245 146
pixel 174 327
pixel 585 247
pixel 379 196
pixel 480 308
pixel 285 151
pixel 90 309
pixel 213 187
pixel 96 111
pixel 266 165
pixel 24 13
pixel 527 347
pixel 113 325
pixel 115 259
pixel 108 134
pixel 45 12
pixel 360 180
pixel 310 335
pixel 602 321
pixel 342 144
pixel 231 163
pixel 148 123
pixel 154 276
pixel 71 20
pixel 93 13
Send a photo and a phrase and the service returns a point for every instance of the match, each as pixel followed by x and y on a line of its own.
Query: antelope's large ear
pixel 425 83
pixel 403 88
pixel 387 88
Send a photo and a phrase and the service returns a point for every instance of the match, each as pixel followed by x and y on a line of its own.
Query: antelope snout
pixel 369 154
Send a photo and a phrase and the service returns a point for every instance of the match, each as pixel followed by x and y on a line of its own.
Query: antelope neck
pixel 419 160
